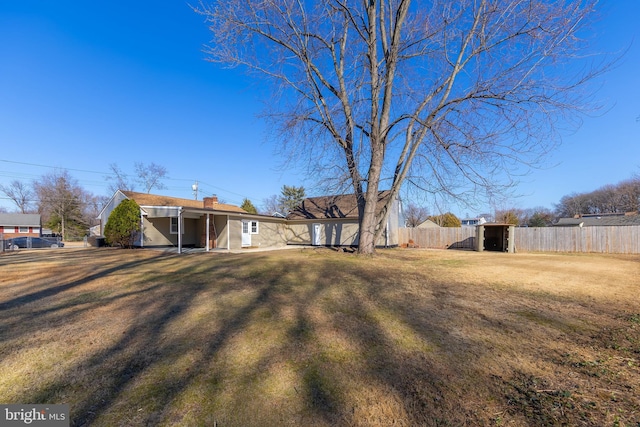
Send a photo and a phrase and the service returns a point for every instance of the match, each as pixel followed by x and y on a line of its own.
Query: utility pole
pixel 194 187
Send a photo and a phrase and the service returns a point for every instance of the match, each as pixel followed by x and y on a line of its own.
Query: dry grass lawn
pixel 318 338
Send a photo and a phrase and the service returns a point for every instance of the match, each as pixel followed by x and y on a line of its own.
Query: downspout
pixel 141 229
pixel 228 235
pixel 386 234
pixel 179 230
pixel 208 221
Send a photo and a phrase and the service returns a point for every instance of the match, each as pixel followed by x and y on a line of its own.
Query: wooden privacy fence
pixel 617 239
pixel 440 237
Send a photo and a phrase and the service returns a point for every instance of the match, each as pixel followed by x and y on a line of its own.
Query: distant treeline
pixel 611 198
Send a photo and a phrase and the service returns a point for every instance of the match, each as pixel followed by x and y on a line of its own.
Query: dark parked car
pixel 32 242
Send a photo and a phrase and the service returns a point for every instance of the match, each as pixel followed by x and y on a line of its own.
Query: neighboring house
pixel 20 225
pixel 333 221
pixel 427 224
pixel 595 220
pixel 95 230
pixel 320 221
pixel 473 221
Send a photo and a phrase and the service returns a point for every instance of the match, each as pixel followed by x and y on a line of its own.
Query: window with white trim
pixel 254 227
pixel 23 229
pixel 173 229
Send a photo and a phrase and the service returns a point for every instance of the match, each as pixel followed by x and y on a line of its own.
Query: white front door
pixel 316 235
pixel 246 233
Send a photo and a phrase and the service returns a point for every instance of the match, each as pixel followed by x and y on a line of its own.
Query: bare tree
pixel 61 202
pixel 529 217
pixel 628 194
pixel 514 216
pixel 539 217
pixel 20 194
pixel 571 205
pixel 610 198
pixel 119 179
pixel 91 207
pixel 150 176
pixel 449 96
pixel 272 206
pixel 415 215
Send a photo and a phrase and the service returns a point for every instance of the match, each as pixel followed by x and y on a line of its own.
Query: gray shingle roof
pixel 602 220
pixel 20 220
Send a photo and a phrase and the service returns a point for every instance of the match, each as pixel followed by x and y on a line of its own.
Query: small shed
pixel 496 237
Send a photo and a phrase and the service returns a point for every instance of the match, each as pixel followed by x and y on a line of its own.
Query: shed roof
pixel 600 220
pixel 20 220
pixel 338 206
pixel 145 199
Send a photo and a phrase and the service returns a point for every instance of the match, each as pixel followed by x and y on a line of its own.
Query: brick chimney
pixel 210 201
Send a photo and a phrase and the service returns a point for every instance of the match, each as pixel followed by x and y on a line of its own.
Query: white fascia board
pixel 161 211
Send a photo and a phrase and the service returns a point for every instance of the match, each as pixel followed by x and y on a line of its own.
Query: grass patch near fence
pixel 320 338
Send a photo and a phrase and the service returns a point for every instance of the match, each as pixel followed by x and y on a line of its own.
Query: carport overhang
pixel 181 213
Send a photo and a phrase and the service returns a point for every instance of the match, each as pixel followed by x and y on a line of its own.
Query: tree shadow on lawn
pixel 41 300
pixel 159 299
pixel 265 340
pixel 78 262
pixel 509 355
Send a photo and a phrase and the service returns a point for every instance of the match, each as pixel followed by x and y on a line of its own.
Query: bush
pixel 123 224
pixel 446 220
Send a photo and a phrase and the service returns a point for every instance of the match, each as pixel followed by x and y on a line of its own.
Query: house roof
pixel 427 223
pixel 20 220
pixel 144 199
pixel 338 206
pixel 600 220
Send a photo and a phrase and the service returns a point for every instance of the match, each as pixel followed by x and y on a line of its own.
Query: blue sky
pixel 86 84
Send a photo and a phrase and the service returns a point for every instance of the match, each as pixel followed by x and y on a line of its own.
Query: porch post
pixel 179 230
pixel 208 219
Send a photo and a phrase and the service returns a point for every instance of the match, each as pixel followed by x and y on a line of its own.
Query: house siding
pixel 235 233
pixel 191 232
pixel 220 224
pixel 332 232
pixel 271 233
pixel 336 233
pixel 9 232
pixel 340 231
pixel 156 232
